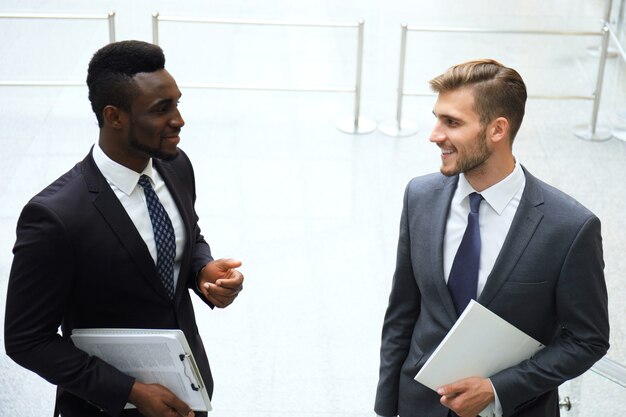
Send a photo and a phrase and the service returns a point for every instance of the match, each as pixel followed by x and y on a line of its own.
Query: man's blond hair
pixel 498 91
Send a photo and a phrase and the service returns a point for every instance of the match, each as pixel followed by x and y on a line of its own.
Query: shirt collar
pixel 500 194
pixel 118 175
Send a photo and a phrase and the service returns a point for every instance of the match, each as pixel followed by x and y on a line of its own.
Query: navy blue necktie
pixel 463 279
pixel 163 235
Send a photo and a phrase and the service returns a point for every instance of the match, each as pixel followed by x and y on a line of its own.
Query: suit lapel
pixel 109 206
pixel 524 224
pixel 441 208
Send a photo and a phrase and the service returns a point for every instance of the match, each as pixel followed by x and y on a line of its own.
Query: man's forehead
pixel 455 103
pixel 157 82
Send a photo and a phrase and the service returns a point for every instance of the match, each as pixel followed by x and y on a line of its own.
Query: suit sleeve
pixel 581 306
pixel 400 318
pixel 40 287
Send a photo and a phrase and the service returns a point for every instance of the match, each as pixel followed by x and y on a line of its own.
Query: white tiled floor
pixel 311 211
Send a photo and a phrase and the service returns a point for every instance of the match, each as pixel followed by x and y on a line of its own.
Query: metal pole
pixel 592 133
pixel 260 22
pixel 111 27
pixel 357 124
pixel 600 79
pixel 401 75
pixel 620 17
pixel 618 44
pixel 359 70
pixel 450 29
pixel 51 16
pixel 399 127
pixel 155 28
pixel 607 11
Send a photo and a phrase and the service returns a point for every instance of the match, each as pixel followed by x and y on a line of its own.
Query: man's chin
pixel 167 156
pixel 163 155
pixel 449 171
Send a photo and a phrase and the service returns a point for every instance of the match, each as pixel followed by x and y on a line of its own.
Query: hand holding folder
pixel 151 357
pixel 479 344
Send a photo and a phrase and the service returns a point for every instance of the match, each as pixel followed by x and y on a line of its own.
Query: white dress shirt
pixel 495 216
pixel 123 182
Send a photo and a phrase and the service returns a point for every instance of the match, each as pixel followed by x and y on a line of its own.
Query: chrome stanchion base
pixel 405 128
pixel 363 126
pixel 600 135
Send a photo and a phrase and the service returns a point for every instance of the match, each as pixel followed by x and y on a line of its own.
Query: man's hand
pixel 153 400
pixel 467 397
pixel 220 282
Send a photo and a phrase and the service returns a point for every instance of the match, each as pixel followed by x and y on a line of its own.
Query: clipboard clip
pixel 193 368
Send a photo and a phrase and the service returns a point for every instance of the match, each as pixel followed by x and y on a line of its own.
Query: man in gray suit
pixel 538 260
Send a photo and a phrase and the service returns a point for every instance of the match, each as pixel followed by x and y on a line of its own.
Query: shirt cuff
pixel 494 408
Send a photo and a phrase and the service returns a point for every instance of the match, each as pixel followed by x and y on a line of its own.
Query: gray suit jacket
pixel 548 281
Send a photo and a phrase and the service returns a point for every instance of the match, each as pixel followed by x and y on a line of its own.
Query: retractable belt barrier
pixel 591 132
pixel 355 125
pixel 110 17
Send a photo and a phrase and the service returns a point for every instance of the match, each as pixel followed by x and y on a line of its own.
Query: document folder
pixel 479 344
pixel 152 357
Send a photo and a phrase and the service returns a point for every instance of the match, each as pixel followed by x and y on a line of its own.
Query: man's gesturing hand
pixel 220 282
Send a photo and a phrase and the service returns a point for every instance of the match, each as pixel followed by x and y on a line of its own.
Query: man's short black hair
pixel 111 70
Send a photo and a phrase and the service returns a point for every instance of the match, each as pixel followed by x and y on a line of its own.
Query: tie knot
pixel 144 181
pixel 475 200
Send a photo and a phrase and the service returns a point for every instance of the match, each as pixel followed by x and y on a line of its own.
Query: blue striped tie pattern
pixel 163 235
pixel 463 279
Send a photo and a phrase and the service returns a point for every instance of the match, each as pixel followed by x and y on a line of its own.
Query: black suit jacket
pixel 80 262
pixel 547 280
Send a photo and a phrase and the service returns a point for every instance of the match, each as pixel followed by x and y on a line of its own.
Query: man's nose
pixel 437 135
pixel 178 121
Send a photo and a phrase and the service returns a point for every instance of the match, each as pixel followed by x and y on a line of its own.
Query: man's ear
pixel 499 129
pixel 114 117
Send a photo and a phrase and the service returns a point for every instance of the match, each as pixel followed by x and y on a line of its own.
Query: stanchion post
pixel 592 132
pixel 594 50
pixel 620 18
pixel 359 72
pixel 608 7
pixel 359 125
pixel 600 78
pixel 400 127
pixel 401 75
pixel 155 28
pixel 111 19
pixel 618 127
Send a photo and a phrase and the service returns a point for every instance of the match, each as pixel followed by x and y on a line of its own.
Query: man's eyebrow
pixel 447 116
pixel 165 101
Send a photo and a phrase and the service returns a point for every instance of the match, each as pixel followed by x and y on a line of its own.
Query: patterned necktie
pixel 163 235
pixel 463 279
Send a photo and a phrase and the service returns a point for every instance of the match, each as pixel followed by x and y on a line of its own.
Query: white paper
pixel 151 356
pixel 479 344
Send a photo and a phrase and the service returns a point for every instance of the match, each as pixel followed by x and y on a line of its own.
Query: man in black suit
pixel 535 260
pixel 89 252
